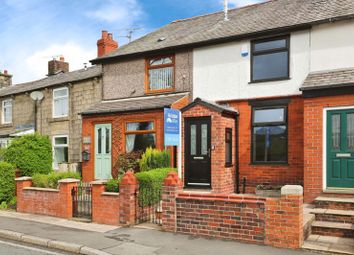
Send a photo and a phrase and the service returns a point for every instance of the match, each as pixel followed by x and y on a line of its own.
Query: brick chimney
pixel 106 44
pixel 5 79
pixel 57 66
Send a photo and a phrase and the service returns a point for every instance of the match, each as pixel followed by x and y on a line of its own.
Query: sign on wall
pixel 172 127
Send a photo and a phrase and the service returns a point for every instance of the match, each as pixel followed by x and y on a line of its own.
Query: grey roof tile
pixel 244 21
pixel 134 104
pixel 329 79
pixel 53 80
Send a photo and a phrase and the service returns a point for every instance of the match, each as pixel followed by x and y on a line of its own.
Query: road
pixel 14 248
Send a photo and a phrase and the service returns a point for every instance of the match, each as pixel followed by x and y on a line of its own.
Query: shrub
pixel 154 159
pixel 127 161
pixel 150 184
pixel 113 185
pixel 30 153
pixel 52 180
pixel 7 182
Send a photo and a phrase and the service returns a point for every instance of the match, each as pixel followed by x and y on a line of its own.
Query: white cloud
pixel 123 12
pixel 36 65
pixel 240 3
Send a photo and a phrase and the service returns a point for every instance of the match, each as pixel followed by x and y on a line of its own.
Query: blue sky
pixel 32 31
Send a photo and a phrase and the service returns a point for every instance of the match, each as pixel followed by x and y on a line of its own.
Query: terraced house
pixel 51 106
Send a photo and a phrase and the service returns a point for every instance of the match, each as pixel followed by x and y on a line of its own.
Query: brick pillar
pixel 98 187
pixel 284 218
pixel 65 187
pixel 171 187
pixel 127 199
pixel 21 183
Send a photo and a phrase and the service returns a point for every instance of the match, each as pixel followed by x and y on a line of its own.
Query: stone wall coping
pixel 292 190
pixel 41 189
pixel 110 194
pixel 240 198
pixel 99 182
pixel 69 180
pixel 23 178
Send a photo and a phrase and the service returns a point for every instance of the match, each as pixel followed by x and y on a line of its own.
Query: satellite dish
pixel 37 95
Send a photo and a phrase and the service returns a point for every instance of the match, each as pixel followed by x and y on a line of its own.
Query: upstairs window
pixel 160 74
pixel 7 111
pixel 269 135
pixel 139 136
pixel 60 102
pixel 270 59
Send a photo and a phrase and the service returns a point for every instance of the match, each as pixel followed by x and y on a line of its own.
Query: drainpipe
pixel 237 165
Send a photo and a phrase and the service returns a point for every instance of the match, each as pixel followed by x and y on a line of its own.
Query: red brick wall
pixel 118 122
pixel 313 140
pixel 105 206
pixel 291 173
pixel 50 202
pixel 222 177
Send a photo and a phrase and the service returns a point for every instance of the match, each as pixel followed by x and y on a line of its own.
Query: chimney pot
pixel 106 44
pixel 104 34
pixel 62 58
pixel 5 72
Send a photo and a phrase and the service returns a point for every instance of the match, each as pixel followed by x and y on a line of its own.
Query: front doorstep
pixel 339 191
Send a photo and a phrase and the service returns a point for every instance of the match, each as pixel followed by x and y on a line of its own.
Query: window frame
pixel 54 145
pixel 3 111
pixel 267 52
pixel 147 75
pixel 139 132
pixel 54 98
pixel 268 124
pixel 228 163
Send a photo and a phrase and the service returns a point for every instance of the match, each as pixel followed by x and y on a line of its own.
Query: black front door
pixel 197 152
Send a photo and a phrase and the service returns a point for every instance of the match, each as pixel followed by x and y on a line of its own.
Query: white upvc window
pixel 60 150
pixel 60 102
pixel 6 111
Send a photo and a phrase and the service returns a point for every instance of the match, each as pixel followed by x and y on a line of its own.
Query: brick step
pixel 336 203
pixel 327 228
pixel 333 245
pixel 341 216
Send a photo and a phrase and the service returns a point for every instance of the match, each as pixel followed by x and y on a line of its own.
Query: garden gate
pixel 82 201
pixel 149 203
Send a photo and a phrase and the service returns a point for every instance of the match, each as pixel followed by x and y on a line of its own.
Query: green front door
pixel 103 158
pixel 340 149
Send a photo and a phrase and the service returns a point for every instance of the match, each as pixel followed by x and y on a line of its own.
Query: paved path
pixel 139 241
pixel 11 248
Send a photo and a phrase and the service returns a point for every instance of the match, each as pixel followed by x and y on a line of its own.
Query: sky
pixel 33 32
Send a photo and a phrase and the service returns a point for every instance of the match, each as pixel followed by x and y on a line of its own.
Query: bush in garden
pixel 113 185
pixel 51 180
pixel 31 154
pixel 150 185
pixel 154 159
pixel 127 161
pixel 7 182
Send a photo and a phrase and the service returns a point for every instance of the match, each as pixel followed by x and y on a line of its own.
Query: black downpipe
pixel 237 156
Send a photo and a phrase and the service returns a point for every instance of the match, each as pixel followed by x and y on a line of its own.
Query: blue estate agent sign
pixel 172 131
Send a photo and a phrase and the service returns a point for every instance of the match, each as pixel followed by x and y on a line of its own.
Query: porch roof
pixel 338 78
pixel 135 104
pixel 212 105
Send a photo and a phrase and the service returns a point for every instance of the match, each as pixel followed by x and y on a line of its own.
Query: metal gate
pixel 149 203
pixel 82 201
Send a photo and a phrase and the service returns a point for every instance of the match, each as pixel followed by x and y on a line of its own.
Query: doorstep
pixel 348 191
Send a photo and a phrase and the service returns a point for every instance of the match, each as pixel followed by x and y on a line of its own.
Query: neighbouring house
pixel 136 89
pixel 65 95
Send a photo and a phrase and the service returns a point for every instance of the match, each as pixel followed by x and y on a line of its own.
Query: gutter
pixel 237 164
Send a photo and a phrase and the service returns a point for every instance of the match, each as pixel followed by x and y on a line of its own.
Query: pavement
pixel 15 248
pixel 80 238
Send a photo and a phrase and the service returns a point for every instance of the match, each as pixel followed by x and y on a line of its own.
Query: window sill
pixel 229 165
pixel 270 80
pixel 269 164
pixel 59 119
pixel 5 125
pixel 160 91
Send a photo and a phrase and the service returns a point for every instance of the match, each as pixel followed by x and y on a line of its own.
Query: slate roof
pixel 329 79
pixel 134 104
pixel 212 105
pixel 243 22
pixel 53 80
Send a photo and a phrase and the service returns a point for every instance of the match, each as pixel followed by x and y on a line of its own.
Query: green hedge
pixel 150 185
pixel 7 182
pixel 51 180
pixel 31 154
pixel 113 185
pixel 154 159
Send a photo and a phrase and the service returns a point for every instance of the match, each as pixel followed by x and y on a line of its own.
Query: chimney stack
pixel 58 66
pixel 106 44
pixel 5 79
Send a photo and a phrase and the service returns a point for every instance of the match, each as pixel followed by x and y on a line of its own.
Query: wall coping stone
pixel 41 189
pixel 69 180
pixel 110 194
pixel 99 182
pixel 292 190
pixel 23 178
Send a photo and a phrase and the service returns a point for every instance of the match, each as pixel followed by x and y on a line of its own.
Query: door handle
pixel 343 155
pixel 200 158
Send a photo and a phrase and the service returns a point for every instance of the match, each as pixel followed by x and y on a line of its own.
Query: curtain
pixel 129 143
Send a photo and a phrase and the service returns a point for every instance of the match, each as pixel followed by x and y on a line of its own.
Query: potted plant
pixel 268 190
